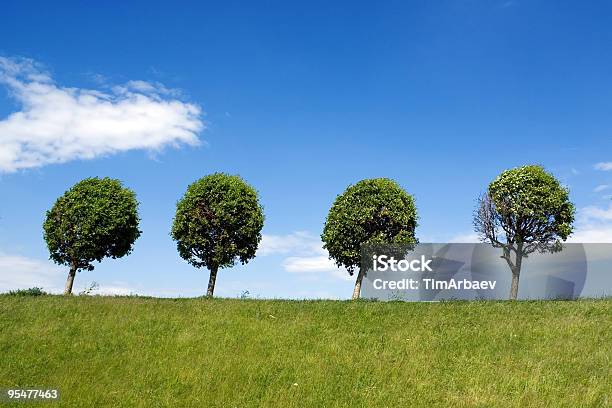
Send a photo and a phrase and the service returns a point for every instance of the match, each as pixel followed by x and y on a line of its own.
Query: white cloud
pixel 606 166
pixel 592 233
pixel 300 242
pixel 19 272
pixel 56 124
pixel 306 254
pixel 467 238
pixel 601 188
pixel 593 225
pixel 593 213
pixel 316 264
pixel 308 264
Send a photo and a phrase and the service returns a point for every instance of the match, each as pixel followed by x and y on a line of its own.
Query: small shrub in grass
pixel 28 292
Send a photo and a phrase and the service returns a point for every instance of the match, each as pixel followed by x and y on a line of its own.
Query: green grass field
pixel 130 351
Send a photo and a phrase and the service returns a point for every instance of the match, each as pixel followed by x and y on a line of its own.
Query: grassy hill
pixel 129 351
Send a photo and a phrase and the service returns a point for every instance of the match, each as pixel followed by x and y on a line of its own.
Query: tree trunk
pixel 70 280
pixel 211 281
pixel 515 284
pixel 516 272
pixel 357 290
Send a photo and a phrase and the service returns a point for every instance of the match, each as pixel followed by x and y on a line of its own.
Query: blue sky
pixel 301 100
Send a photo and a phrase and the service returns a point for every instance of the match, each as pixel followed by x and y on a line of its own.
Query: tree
pixel 218 221
pixel 524 210
pixel 95 219
pixel 373 211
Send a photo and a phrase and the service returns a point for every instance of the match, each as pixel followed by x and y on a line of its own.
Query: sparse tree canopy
pixel 524 210
pixel 373 211
pixel 95 219
pixel 218 222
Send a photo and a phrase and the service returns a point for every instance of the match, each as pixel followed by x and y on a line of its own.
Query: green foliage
pixel 533 207
pixel 217 222
pixel 35 291
pixel 373 211
pixel 138 352
pixel 96 218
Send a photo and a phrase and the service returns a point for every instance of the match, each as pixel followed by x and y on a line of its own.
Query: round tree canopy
pixel 373 211
pixel 529 195
pixel 96 218
pixel 218 221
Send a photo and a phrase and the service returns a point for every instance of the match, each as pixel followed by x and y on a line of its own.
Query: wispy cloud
pixel 20 272
pixel 56 124
pixel 601 187
pixel 315 263
pixel 593 224
pixel 605 166
pixel 593 213
pixel 303 252
pixel 299 242
pixel 467 238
